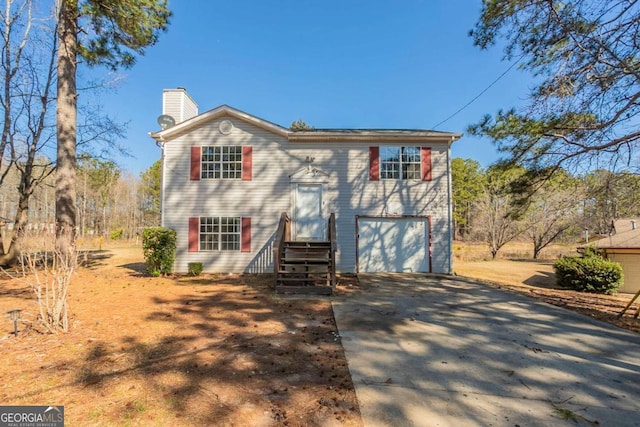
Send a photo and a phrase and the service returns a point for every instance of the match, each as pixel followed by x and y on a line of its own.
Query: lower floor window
pixel 220 233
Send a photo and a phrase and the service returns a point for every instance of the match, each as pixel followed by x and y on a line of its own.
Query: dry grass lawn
pixel 214 350
pixel 187 351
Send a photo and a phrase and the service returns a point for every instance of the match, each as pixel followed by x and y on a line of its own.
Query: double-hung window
pixel 221 162
pixel 400 163
pixel 220 233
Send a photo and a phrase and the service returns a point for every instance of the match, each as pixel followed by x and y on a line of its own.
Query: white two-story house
pixel 228 177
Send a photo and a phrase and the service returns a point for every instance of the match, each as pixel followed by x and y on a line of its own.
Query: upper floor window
pixel 400 163
pixel 221 162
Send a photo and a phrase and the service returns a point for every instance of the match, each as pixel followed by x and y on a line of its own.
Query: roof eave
pixel 626 248
pixel 302 136
pixel 223 110
pixel 306 136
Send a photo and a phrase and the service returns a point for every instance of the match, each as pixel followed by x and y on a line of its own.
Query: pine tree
pixel 102 32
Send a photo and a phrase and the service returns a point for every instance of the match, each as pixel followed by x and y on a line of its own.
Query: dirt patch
pixel 189 351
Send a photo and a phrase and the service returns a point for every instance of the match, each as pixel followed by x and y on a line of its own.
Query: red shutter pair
pixel 247 163
pixel 194 175
pixel 194 233
pixel 374 163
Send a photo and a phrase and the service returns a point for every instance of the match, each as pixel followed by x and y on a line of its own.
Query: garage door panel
pixel 393 245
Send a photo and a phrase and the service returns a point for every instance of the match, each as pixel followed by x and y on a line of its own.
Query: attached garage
pixel 393 244
pixel 623 246
pixel 630 262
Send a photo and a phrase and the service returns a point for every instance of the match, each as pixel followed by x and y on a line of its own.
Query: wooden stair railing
pixel 282 235
pixel 331 234
pixel 304 266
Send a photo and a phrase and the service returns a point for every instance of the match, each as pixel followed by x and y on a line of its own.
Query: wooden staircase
pixel 304 267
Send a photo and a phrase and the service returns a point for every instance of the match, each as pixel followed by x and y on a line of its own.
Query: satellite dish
pixel 165 121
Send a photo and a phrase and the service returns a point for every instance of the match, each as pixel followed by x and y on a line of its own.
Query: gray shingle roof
pixel 624 235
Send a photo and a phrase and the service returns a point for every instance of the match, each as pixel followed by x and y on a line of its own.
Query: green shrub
pixel 591 251
pixel 194 268
pixel 117 234
pixel 159 247
pixel 590 273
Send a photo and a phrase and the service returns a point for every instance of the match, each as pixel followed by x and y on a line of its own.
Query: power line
pixel 480 94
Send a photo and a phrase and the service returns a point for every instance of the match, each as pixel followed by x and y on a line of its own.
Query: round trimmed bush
pixel 591 273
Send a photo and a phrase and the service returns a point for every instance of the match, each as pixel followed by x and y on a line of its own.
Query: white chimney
pixel 178 104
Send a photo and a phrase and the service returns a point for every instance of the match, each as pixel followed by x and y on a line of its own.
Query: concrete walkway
pixel 429 350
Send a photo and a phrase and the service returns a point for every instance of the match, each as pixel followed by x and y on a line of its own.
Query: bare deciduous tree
pixel 552 210
pixel 28 71
pixel 495 222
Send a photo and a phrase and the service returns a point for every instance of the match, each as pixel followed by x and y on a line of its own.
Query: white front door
pixel 309 221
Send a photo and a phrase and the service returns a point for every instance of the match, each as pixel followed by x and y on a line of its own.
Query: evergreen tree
pixel 467 182
pixel 584 110
pixel 102 32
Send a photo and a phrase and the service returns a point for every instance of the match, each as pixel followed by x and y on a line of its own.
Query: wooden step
pixel 306 261
pixel 307 242
pixel 307 246
pixel 302 279
pixel 304 290
pixel 287 278
pixel 310 251
pixel 300 271
pixel 305 267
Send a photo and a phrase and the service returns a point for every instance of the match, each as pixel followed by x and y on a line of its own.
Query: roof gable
pixel 221 111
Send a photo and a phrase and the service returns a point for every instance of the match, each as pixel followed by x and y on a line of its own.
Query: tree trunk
pixel 536 251
pixel 10 258
pixel 66 126
pixel 8 76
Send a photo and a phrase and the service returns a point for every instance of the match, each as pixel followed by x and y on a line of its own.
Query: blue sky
pixel 334 64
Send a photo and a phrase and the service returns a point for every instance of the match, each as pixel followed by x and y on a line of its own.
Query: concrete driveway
pixel 428 350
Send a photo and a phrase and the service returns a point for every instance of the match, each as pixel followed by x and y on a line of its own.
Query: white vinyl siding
pixel 178 104
pixel 347 192
pixel 262 199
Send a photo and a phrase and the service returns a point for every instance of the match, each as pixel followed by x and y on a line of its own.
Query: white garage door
pixel 393 245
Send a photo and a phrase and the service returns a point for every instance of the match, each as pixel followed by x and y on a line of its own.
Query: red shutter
pixel 425 157
pixel 196 152
pixel 247 163
pixel 374 163
pixel 194 234
pixel 245 244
